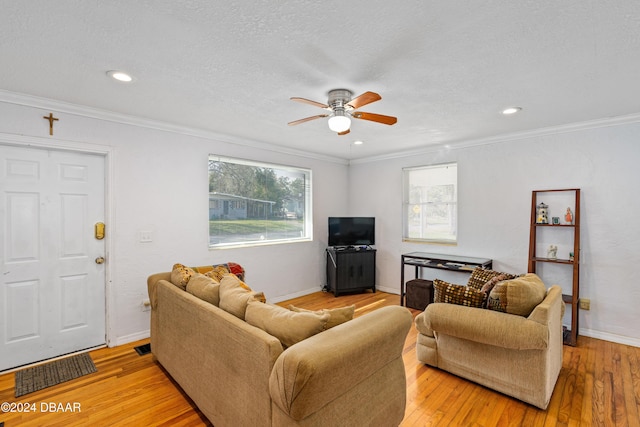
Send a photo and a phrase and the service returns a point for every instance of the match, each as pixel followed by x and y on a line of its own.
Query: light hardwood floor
pixel 599 385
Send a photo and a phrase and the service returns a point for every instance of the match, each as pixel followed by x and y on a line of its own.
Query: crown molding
pixel 98 114
pixel 507 137
pixel 105 115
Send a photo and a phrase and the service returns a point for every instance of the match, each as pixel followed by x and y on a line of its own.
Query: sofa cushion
pixel 234 297
pixel 180 275
pixel 457 294
pixel 288 326
pixel 337 316
pixel 480 276
pixel 517 296
pixel 204 288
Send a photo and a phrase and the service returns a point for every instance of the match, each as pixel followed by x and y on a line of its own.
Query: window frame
pixel 407 204
pixel 280 170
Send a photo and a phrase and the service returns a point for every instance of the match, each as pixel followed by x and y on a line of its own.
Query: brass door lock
pixel 99 230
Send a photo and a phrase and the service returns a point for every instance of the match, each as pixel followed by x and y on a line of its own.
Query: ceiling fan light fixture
pixel 339 122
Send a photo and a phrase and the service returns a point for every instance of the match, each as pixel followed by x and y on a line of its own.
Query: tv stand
pixel 352 248
pixel 351 269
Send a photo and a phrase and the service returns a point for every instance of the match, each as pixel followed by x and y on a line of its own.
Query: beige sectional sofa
pixel 520 356
pixel 239 375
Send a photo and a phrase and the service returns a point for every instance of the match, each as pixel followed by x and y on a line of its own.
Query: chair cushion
pixel 517 296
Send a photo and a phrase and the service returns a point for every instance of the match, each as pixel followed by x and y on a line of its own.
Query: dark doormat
pixel 143 349
pixel 49 374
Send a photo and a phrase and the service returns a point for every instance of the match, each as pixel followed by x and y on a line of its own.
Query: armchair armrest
pixel 312 373
pixel 483 326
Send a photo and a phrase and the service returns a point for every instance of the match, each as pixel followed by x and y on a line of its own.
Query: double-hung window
pixel 430 203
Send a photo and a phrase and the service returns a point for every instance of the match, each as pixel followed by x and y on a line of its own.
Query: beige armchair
pixel 515 355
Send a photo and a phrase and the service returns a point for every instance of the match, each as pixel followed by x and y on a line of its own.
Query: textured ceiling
pixel 445 68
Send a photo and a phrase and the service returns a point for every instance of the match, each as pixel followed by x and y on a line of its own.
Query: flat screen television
pixel 352 231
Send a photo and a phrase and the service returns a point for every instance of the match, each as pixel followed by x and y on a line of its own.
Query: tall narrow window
pixel 253 203
pixel 430 203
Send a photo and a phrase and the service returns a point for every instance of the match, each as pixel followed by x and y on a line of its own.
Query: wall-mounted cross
pixel 51 120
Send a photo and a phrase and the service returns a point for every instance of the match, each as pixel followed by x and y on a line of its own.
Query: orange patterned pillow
pixel 217 273
pixel 180 275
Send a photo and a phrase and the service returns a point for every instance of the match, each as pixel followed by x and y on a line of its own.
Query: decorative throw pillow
pixel 180 275
pixel 219 270
pixel 457 294
pixel 288 326
pixel 337 316
pixel 233 297
pixel 480 276
pixel 204 288
pixel 517 296
pixel 487 287
pixel 216 273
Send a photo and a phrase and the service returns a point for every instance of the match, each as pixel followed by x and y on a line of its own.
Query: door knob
pixel 100 260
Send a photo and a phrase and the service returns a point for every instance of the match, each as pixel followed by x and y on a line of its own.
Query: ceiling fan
pixel 342 108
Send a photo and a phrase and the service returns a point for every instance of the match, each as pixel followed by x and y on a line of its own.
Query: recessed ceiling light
pixel 511 110
pixel 120 76
pixel 358 142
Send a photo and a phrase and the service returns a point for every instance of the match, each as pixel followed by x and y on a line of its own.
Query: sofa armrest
pixel 483 326
pixel 152 282
pixel 312 373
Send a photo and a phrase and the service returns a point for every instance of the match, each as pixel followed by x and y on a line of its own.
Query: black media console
pixel 351 269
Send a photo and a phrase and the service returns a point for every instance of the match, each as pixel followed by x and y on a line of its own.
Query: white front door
pixel 52 291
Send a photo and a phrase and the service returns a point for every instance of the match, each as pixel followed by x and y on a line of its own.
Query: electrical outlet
pixel 585 304
pixel 146 305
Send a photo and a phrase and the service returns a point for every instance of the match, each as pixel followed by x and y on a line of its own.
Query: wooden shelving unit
pixel 572 299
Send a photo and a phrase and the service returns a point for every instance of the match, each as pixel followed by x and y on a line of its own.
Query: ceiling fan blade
pixel 297 122
pixel 344 133
pixel 387 120
pixel 364 99
pixel 310 102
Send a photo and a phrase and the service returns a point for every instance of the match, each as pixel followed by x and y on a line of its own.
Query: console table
pixel 441 262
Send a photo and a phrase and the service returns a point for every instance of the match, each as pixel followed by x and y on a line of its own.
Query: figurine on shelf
pixel 542 214
pixel 571 256
pixel 552 252
pixel 568 217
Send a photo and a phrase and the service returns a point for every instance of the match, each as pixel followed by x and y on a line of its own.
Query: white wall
pixel 159 182
pixel 495 183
